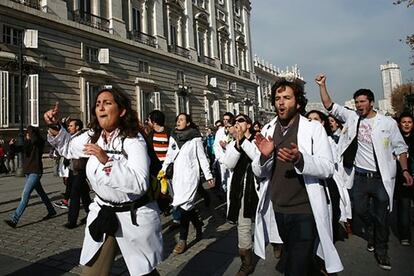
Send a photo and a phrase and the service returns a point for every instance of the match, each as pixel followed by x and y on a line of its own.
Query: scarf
pixel 184 135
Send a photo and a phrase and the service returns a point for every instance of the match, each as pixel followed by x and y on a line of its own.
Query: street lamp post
pixel 20 136
pixel 27 38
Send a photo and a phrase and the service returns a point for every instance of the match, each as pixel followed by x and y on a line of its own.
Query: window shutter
pixel 103 56
pixel 216 110
pixel 4 98
pixel 33 93
pixel 157 101
pixel 207 109
pixel 237 108
pixel 30 38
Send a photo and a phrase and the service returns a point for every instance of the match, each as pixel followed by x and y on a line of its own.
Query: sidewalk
pixel 39 247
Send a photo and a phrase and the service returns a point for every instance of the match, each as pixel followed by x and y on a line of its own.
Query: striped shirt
pixel 160 144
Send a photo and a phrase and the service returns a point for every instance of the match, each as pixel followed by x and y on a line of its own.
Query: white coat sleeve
pixel 129 175
pixel 318 163
pixel 250 149
pixel 202 159
pixel 231 157
pixel 170 155
pixel 68 147
pixel 342 113
pixel 262 170
pixel 397 141
pixel 218 150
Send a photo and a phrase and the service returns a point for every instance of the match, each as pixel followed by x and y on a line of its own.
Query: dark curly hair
pixel 298 89
pixel 128 125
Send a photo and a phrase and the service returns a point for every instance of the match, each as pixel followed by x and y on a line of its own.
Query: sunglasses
pixel 241 120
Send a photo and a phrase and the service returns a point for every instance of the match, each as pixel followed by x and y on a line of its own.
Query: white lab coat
pixel 191 157
pixel 232 156
pixel 345 201
pixel 386 140
pixel 318 164
pixel 225 173
pixel 141 245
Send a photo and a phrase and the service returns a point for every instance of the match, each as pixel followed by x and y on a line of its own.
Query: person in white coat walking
pixel 122 216
pixel 293 206
pixel 242 201
pixel 186 154
pixel 367 148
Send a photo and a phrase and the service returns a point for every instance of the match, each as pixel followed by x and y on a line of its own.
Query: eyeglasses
pixel 240 120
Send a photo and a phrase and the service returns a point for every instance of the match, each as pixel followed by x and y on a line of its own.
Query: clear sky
pixel 347 40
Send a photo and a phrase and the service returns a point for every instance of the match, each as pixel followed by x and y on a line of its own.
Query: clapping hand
pixel 265 145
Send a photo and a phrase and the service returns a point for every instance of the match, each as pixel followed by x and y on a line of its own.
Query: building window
pixel 237 7
pixel 10 110
pixel 173 35
pixel 143 67
pixel 221 15
pixel 91 92
pixel 182 102
pixel 136 20
pixel 91 54
pixel 148 101
pixel 180 77
pixel 11 35
pixel 238 27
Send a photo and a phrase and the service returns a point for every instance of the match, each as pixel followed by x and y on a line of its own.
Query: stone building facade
pixel 173 55
pixel 266 75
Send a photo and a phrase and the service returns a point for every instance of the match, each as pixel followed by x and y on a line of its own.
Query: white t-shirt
pixel 365 154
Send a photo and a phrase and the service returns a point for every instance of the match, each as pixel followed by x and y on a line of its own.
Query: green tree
pixel 399 101
pixel 410 38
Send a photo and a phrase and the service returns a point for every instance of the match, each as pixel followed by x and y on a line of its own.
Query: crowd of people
pixel 297 182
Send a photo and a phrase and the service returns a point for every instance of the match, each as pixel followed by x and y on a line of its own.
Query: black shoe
pixel 383 261
pixel 49 216
pixel 10 223
pixel 83 221
pixel 370 247
pixel 70 225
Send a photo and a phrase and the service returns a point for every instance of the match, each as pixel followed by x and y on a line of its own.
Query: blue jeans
pixel 32 183
pixel 375 217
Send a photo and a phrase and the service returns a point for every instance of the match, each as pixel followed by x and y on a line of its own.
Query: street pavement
pixel 39 247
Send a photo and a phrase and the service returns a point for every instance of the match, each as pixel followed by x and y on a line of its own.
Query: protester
pixel 158 135
pixel 10 155
pixel 293 206
pixel 405 193
pixel 122 215
pixel 221 140
pixel 33 170
pixel 367 151
pixel 242 200
pixel 186 156
pixel 336 128
pixel 3 168
pixel 338 194
pixel 77 179
pixel 257 126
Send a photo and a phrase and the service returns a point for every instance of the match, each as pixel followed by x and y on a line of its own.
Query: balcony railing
pixel 179 51
pixel 227 67
pixel 30 3
pixel 143 38
pixel 245 74
pixel 207 60
pixel 89 19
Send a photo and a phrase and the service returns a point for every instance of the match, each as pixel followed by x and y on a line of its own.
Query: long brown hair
pixel 128 125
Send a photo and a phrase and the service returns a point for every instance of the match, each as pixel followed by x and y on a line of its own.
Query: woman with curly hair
pixel 122 215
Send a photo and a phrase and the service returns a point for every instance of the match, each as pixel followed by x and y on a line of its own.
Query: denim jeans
pixel 32 183
pixel 299 235
pixel 375 217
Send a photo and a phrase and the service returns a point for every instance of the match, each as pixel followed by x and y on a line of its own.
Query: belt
pixel 368 174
